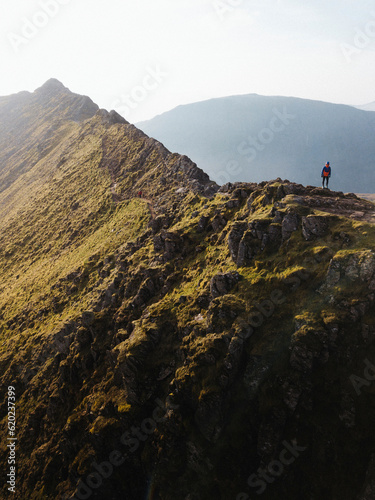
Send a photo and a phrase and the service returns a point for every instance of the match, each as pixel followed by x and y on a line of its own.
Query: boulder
pixel 314 226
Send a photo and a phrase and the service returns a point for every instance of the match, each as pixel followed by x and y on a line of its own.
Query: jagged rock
pixel 248 248
pixel 218 223
pixel 259 227
pixel 358 266
pixel 240 193
pixel 291 188
pixel 146 291
pixel 202 223
pixel 223 283
pixel 277 216
pixel 233 203
pixel 290 224
pixel 245 240
pixel 203 300
pixel 235 236
pixel 112 117
pixel 160 222
pixel 314 226
pixel 274 236
pixel 169 243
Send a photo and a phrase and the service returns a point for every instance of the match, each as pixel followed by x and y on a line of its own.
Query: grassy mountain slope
pixel 243 138
pixel 172 346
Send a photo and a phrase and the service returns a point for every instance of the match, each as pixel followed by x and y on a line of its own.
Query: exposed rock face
pixel 170 244
pixel 222 284
pixel 235 237
pixel 246 241
pixel 314 226
pixel 290 223
pixel 351 268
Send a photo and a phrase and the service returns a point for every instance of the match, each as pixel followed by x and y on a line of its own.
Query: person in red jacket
pixel 326 173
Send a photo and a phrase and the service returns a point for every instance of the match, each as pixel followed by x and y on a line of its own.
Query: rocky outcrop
pixel 314 226
pixel 223 311
pixel 247 240
pixel 290 224
pixel 350 268
pixel 170 244
pixel 223 283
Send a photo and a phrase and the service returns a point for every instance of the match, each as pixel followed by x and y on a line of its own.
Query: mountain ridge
pixel 177 344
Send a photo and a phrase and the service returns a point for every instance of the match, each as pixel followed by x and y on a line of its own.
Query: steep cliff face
pixel 194 343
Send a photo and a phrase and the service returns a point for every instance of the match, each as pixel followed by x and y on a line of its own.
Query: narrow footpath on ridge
pixel 117 198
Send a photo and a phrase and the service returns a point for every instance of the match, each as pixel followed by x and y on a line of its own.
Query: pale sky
pixel 144 57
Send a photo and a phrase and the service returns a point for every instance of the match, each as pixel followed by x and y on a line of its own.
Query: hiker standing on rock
pixel 326 173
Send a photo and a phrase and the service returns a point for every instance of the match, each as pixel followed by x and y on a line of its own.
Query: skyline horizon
pixel 357 105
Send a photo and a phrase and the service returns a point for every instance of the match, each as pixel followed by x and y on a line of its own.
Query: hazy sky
pixel 144 57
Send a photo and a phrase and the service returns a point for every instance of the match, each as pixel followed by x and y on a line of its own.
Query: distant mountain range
pixel 256 138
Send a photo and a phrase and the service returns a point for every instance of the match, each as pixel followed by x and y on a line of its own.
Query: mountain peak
pixel 54 96
pixel 51 85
